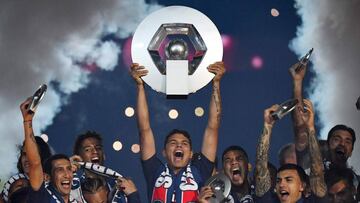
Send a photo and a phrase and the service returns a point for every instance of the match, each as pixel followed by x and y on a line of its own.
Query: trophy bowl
pixel 221 186
pixel 185 24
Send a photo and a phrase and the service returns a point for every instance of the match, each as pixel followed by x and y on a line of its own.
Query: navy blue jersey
pixel 46 194
pixel 270 197
pixel 165 186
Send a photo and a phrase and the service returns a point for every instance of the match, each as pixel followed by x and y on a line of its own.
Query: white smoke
pixel 45 41
pixel 332 27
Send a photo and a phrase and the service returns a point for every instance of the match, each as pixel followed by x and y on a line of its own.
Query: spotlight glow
pixel 199 111
pixel 135 148
pixel 117 145
pixel 275 12
pixel 45 137
pixel 173 114
pixel 257 62
pixel 226 40
pixel 129 111
pixel 126 52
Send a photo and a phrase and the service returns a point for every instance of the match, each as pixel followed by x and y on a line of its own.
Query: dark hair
pixel 175 131
pixel 284 150
pixel 80 138
pixel 334 175
pixel 234 148
pixel 91 185
pixel 48 162
pixel 19 196
pixel 300 171
pixel 345 128
pixel 44 151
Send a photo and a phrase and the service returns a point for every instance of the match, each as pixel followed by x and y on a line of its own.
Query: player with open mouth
pixel 180 179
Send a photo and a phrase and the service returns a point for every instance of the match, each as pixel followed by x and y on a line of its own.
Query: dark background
pixel 246 91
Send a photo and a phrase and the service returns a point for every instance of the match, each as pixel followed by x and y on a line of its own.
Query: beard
pixel 338 159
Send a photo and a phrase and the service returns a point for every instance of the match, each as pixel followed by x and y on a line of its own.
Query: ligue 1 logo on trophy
pixel 176 44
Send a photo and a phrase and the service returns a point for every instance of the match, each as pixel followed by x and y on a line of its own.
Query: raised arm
pixel 301 140
pixel 317 182
pixel 32 153
pixel 262 174
pixel 147 142
pixel 210 139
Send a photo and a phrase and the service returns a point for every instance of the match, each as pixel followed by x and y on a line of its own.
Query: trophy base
pixel 177 97
pixel 177 77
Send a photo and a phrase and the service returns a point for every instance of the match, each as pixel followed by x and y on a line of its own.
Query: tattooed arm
pixel 317 182
pixel 210 139
pixel 147 142
pixel 262 174
pixel 301 140
pixel 32 152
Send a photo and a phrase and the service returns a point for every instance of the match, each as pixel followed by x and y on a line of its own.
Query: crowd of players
pixel 310 170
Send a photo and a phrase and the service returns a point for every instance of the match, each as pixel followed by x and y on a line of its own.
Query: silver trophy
pixel 221 186
pixel 284 109
pixel 37 97
pixel 304 60
pixel 176 44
